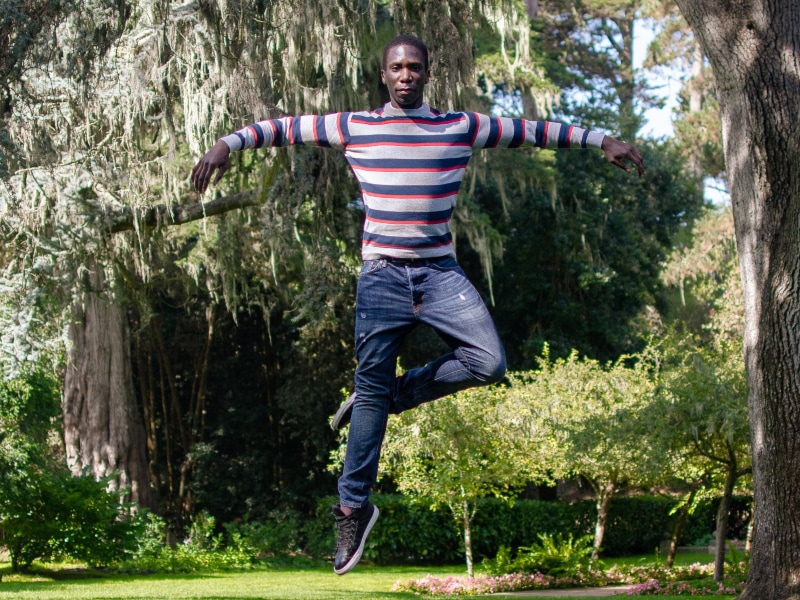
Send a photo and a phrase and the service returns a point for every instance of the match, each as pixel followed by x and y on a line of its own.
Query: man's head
pixel 405 71
pixel 405 40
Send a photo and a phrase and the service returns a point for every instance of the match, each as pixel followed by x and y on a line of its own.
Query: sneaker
pixel 342 416
pixel 353 531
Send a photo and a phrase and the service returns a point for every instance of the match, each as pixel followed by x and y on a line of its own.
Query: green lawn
pixel 364 583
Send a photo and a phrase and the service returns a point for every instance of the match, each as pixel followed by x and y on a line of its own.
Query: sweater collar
pixel 422 111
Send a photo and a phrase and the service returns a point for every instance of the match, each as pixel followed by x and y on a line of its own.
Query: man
pixel 409 160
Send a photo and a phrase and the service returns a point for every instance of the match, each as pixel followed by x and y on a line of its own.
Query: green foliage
pixel 409 532
pixel 280 534
pixel 583 248
pixel 45 512
pixel 51 515
pixel 552 555
pixel 203 550
pixel 463 447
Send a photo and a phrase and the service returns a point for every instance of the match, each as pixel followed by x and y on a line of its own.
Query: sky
pixel 659 120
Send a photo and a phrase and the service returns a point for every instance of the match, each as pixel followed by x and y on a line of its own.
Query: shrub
pixel 553 555
pixel 53 515
pixel 407 532
pixel 202 550
pixel 279 535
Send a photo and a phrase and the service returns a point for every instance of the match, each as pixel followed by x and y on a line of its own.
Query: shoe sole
pixel 344 409
pixel 357 556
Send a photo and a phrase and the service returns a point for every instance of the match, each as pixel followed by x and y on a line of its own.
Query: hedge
pixel 409 532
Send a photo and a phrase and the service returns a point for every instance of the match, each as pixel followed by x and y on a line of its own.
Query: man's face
pixel 405 76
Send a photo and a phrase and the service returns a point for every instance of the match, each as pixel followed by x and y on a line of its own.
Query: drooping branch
pixel 161 214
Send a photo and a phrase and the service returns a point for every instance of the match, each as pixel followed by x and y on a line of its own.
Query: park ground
pixel 315 583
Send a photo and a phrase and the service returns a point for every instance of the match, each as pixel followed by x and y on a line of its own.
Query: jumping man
pixel 409 160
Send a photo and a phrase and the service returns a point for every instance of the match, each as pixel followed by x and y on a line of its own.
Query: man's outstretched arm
pixel 621 154
pixel 328 131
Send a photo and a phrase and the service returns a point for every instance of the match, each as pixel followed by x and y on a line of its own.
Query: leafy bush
pixel 45 512
pixel 279 535
pixel 553 555
pixel 407 532
pixel 202 550
pixel 54 515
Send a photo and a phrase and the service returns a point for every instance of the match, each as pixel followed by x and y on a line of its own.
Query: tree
pixel 703 409
pixel 590 413
pixel 754 51
pixel 459 449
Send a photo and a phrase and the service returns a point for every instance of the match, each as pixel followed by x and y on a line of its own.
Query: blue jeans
pixel 391 300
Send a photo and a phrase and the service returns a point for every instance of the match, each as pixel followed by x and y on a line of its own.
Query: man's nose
pixel 405 75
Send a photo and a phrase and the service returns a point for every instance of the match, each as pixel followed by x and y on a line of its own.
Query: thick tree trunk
pixel 754 51
pixel 103 432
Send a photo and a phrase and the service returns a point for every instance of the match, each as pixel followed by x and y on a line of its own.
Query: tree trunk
pixel 723 513
pixel 754 51
pixel 605 492
pixel 678 530
pixel 468 538
pixel 103 432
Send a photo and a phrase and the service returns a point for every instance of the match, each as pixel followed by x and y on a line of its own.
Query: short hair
pixel 405 40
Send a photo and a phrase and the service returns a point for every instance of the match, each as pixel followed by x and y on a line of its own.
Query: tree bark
pixel 678 530
pixel 468 539
pixel 754 51
pixel 605 492
pixel 103 432
pixel 127 218
pixel 723 514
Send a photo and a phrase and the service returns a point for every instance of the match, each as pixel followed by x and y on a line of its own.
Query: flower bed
pixel 704 587
pixel 692 580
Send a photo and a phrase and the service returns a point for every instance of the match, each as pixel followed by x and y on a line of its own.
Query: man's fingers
pixel 221 171
pixel 201 175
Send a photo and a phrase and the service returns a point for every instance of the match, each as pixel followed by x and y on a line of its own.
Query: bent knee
pixel 492 369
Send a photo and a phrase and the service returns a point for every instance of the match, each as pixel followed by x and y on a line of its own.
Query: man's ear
pixel 427 76
pixel 383 77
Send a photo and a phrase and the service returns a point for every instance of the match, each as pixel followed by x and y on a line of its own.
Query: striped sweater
pixel 410 164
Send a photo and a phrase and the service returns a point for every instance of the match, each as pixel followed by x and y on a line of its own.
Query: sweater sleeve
pixel 327 131
pixel 503 132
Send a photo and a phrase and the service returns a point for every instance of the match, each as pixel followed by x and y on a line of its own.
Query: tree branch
pixel 153 216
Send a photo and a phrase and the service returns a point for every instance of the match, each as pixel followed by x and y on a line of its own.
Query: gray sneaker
pixel 342 416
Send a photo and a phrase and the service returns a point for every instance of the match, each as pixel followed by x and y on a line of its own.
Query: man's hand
pixel 216 158
pixel 617 152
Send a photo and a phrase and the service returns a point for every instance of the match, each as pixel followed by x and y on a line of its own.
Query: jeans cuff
pixel 352 505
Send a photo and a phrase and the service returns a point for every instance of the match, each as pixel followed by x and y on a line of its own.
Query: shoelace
pixel 347 533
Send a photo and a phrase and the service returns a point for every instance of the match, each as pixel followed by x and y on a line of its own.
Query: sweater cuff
pixel 234 142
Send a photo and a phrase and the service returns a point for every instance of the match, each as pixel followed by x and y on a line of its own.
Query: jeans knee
pixel 492 368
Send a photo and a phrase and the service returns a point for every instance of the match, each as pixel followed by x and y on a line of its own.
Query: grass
pixel 364 583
